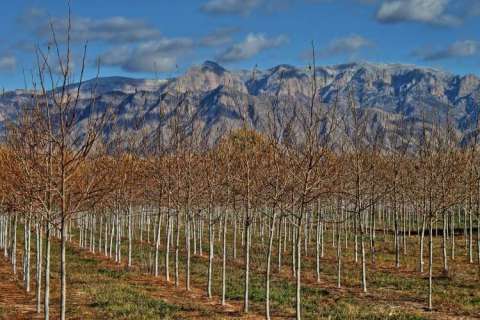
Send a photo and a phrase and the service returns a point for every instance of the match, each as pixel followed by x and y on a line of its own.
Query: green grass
pixel 402 286
pixel 113 274
pixel 109 294
pixel 351 310
pixel 120 301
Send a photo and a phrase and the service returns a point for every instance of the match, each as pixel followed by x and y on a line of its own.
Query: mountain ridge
pixel 223 99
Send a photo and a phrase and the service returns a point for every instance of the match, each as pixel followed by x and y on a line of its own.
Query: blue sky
pixel 159 38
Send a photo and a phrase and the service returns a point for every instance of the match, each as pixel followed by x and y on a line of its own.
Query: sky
pixel 160 38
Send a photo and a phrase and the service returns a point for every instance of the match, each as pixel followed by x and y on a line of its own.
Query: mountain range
pixel 384 94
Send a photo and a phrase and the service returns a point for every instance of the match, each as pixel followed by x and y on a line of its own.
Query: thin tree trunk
pixel 279 243
pixel 430 266
pixel 452 227
pixel 38 262
pixel 187 248
pixel 339 258
pixel 129 236
pixel 14 245
pixel 247 265
pixel 46 299
pixel 157 242
pixel 422 239
pixel 235 237
pixel 63 270
pixel 224 258
pixel 26 270
pixel 167 246
pixel 298 297
pixel 444 244
pixel 470 236
pixel 317 247
pixel 210 253
pixel 269 259
pixel 177 246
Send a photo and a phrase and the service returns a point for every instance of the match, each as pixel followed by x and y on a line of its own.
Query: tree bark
pixel 38 262
pixel 63 270
pixel 430 266
pixel 269 260
pixel 46 298
pixel 224 258
pixel 210 252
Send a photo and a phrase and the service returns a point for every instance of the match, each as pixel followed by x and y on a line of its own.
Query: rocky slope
pixel 386 96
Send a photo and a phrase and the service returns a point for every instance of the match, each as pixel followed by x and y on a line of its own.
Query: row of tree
pixel 247 187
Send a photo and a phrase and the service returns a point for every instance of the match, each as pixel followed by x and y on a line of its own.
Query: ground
pixel 99 288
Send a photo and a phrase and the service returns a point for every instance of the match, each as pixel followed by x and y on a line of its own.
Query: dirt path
pixel 195 301
pixel 15 303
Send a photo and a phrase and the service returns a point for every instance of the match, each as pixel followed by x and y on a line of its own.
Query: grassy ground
pixel 101 289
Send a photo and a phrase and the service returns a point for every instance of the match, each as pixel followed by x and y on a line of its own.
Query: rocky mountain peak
pixel 206 77
pixel 212 67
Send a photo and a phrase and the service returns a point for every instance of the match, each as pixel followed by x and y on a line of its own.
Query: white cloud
pixel 459 49
pixel 242 7
pixel 219 37
pixel 115 29
pixel 347 45
pixel 8 63
pixel 151 56
pixel 253 44
pixel 424 11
